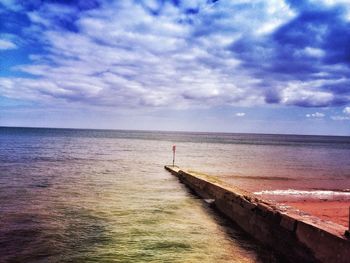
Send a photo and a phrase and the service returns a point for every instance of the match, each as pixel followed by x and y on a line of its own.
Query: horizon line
pixel 170 131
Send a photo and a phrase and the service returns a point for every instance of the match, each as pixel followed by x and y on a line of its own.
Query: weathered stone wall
pixel 299 238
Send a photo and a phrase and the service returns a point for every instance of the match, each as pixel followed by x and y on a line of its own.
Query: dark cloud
pixel 340 88
pixel 80 5
pixel 317 38
pixel 325 29
pixel 272 96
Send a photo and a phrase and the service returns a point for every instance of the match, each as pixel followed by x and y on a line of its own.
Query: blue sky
pixel 268 66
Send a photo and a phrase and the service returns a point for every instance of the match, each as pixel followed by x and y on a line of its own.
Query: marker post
pixel 174 150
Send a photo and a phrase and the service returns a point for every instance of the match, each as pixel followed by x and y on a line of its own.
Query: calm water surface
pixel 103 196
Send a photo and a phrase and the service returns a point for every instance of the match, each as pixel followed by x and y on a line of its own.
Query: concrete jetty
pixel 295 235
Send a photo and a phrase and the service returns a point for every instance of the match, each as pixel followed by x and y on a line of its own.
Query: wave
pixel 307 193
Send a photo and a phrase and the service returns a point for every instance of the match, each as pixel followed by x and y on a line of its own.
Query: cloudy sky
pixel 263 66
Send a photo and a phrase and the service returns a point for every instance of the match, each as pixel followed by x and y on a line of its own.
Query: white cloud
pixel 277 13
pixel 346 111
pixel 240 114
pixel 314 52
pixel 122 55
pixel 316 115
pixel 340 118
pixel 6 44
pixel 302 94
pixel 344 117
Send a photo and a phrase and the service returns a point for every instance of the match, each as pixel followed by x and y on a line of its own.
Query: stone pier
pixel 296 236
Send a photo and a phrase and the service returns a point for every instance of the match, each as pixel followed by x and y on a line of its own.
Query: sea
pixel 75 195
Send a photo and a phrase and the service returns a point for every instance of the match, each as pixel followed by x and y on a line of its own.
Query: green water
pixel 68 198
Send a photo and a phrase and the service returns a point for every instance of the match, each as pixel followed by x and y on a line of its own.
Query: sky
pixel 259 66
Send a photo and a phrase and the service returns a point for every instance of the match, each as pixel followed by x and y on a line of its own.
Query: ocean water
pixel 104 196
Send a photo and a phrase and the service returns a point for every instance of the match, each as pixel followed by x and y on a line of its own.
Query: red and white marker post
pixel 174 150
